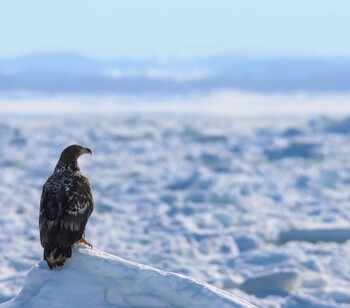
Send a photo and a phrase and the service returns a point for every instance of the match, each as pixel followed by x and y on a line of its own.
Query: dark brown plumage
pixel 66 204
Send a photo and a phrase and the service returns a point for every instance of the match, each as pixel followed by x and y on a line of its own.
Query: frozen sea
pixel 254 206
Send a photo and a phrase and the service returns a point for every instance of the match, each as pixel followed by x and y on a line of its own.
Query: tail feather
pixel 56 256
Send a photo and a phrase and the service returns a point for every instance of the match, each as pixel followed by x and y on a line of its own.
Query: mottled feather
pixel 66 204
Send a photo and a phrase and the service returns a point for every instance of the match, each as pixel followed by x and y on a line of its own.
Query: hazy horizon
pixel 71 73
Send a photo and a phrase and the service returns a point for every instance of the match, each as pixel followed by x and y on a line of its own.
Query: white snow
pixel 259 207
pixel 93 278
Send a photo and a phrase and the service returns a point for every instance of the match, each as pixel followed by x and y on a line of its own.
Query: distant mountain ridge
pixel 71 73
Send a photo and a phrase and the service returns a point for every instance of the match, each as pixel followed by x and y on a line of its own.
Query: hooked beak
pixel 85 151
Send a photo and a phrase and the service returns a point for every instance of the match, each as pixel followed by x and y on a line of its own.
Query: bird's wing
pixel 65 213
pixel 51 204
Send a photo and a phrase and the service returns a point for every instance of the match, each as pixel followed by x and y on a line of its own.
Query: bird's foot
pixel 84 241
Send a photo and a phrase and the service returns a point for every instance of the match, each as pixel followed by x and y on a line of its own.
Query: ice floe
pixel 260 209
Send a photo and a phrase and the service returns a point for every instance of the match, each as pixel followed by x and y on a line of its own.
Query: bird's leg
pixel 84 241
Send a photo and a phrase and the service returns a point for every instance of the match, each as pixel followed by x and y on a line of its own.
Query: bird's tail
pixel 56 256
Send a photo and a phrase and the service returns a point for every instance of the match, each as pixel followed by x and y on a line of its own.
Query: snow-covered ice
pixel 259 208
pixel 93 278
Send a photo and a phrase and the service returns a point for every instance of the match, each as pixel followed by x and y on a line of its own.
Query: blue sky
pixel 111 29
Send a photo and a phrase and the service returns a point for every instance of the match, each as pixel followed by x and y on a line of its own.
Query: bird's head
pixel 73 152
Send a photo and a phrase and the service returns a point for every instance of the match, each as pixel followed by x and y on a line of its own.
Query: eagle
pixel 65 206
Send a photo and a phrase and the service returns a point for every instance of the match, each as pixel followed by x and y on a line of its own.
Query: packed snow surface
pixel 93 278
pixel 259 208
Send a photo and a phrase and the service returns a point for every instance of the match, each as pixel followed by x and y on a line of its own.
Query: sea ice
pixel 258 208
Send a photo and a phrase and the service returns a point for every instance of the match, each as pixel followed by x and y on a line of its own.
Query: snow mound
pixel 93 278
pixel 277 282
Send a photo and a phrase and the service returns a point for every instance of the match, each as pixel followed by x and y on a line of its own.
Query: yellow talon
pixel 83 240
